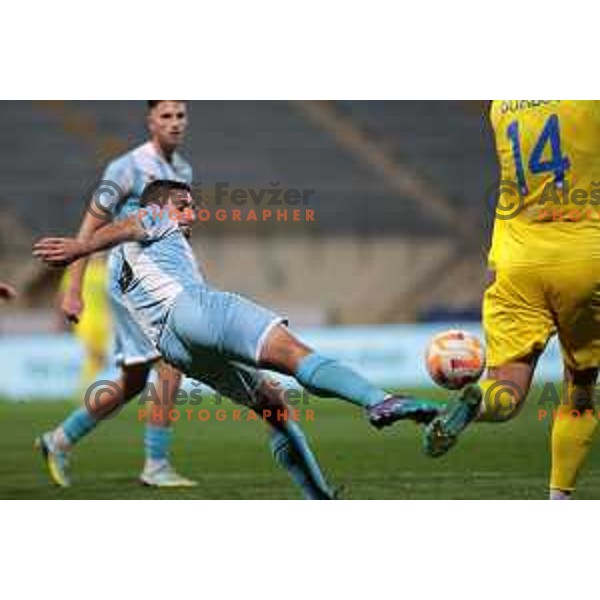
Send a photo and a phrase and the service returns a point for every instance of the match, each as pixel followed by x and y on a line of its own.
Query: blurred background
pixel 400 232
pixel 400 227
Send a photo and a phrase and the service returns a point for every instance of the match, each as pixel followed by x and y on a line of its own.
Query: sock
pixel 59 439
pixel 76 426
pixel 559 495
pixel 291 450
pixel 499 403
pixel 157 443
pixel 572 435
pixel 326 377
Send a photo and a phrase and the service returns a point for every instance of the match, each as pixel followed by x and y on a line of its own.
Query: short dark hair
pixel 159 191
pixel 154 103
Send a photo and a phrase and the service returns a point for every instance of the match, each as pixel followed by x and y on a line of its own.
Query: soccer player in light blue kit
pixel 117 197
pixel 222 338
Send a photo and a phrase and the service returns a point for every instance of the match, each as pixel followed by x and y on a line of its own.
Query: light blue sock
pixel 291 450
pixel 78 424
pixel 327 377
pixel 157 442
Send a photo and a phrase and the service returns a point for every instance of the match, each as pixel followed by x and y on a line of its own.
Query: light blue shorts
pixel 216 337
pixel 132 346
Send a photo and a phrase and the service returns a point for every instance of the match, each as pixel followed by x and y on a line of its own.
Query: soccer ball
pixel 455 358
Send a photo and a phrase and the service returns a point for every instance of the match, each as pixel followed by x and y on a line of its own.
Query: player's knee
pixel 269 392
pixel 134 379
pixel 283 351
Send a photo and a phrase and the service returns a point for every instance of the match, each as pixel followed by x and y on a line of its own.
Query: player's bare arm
pixel 64 251
pixel 72 302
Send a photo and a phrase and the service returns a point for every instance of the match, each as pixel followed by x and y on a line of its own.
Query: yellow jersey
pixel 549 196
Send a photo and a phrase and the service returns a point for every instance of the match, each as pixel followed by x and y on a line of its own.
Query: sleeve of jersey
pixel 156 223
pixel 115 186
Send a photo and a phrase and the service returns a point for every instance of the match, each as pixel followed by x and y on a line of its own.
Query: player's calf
pixel 158 435
pixel 289 446
pixel 505 389
pixel 328 377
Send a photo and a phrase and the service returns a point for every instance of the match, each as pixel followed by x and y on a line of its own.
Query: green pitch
pixel 231 459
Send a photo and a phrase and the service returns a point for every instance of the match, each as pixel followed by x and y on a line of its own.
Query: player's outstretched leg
pixel 442 433
pixel 56 444
pixel 327 377
pixel 289 445
pixel 290 449
pixel 497 399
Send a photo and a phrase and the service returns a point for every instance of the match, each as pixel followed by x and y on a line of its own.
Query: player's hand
pixel 58 252
pixel 7 292
pixel 72 307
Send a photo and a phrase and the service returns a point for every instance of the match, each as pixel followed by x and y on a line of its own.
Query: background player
pixel 93 328
pixel 544 259
pixel 123 182
pixel 217 337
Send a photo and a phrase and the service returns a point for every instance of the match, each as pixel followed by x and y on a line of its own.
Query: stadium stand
pixel 400 223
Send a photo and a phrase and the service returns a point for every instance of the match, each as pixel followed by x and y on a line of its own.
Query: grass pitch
pixel 231 459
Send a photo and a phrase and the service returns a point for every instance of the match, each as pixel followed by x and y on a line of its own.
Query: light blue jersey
pixel 156 270
pixel 206 333
pixel 132 172
pixel 123 182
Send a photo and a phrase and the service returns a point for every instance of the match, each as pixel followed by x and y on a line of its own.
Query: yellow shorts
pixel 525 305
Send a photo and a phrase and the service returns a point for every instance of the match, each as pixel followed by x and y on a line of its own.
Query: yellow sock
pixel 572 435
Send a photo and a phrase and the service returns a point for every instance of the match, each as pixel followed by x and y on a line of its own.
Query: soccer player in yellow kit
pixel 545 268
pixel 94 326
